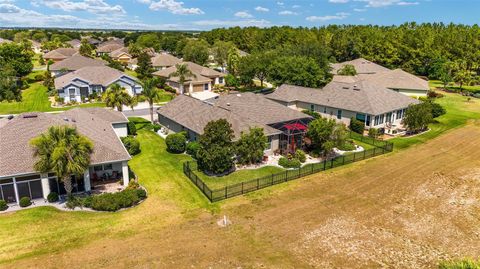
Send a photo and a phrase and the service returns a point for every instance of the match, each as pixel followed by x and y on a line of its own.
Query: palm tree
pixel 116 97
pixel 151 93
pixel 183 73
pixel 64 151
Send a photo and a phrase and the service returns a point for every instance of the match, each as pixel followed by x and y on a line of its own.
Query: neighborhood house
pixel 79 85
pixel 59 54
pixel 203 78
pixel 284 127
pixel 103 127
pixel 74 63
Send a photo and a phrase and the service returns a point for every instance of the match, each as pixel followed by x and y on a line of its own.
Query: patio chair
pixel 115 175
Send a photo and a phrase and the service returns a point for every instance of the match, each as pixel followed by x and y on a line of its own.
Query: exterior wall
pixel 169 124
pixel 328 112
pixel 120 129
pixel 275 144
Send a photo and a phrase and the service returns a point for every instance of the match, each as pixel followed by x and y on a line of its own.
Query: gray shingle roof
pixel 96 75
pixel 165 60
pixel 202 73
pixel 361 65
pixel 76 62
pixel 109 47
pixel 397 79
pixel 195 114
pixel 60 53
pixel 358 96
pixel 15 135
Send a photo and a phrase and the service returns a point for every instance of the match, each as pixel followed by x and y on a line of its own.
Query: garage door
pixel 199 87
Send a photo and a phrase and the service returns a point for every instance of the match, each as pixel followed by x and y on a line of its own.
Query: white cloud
pixel 338 1
pixel 262 9
pixel 337 16
pixel 287 12
pixel 9 8
pixel 92 6
pixel 386 3
pixel 243 15
pixel 359 9
pixel 280 3
pixel 296 6
pixel 172 6
pixel 229 23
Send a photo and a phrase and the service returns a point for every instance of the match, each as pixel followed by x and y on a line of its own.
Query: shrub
pixel 3 205
pixel 357 126
pixel 73 201
pixel 373 133
pixel 231 81
pixel 116 201
pixel 131 144
pixel 141 193
pixel 176 143
pixel 314 114
pixel 462 264
pixel 156 127
pixel 437 110
pixel 347 146
pixel 192 148
pixel 39 77
pixel 131 128
pixel 52 197
pixel 169 89
pixel 25 201
pixel 289 163
pixel 132 185
pixel 300 155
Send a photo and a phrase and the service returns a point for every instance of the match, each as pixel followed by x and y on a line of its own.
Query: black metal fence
pixel 380 147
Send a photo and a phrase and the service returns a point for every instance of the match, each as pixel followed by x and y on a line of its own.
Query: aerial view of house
pixel 203 78
pixel 240 134
pixel 74 63
pixel 60 54
pixel 18 177
pixel 80 84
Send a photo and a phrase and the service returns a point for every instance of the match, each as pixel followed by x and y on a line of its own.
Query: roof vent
pixel 239 95
pixel 10 117
pixel 345 87
pixel 228 104
pixel 30 116
pixel 356 88
pixel 65 119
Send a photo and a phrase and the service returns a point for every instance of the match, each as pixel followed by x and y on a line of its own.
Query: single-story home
pixel 108 48
pixel 121 55
pixel 74 63
pixel 164 61
pixel 75 43
pixel 18 177
pixel 80 84
pixel 203 80
pixel 283 127
pixel 397 80
pixel 60 54
pixel 345 98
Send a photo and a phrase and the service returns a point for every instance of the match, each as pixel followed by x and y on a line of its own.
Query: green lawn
pixel 459 112
pixel 35 98
pixel 165 97
pixel 238 176
pixel 454 87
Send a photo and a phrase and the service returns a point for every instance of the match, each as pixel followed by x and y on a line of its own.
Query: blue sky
pixel 208 14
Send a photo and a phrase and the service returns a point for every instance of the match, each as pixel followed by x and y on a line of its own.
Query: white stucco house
pixel 79 85
pixel 108 162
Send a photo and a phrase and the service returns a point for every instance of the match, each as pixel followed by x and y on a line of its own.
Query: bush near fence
pixel 381 147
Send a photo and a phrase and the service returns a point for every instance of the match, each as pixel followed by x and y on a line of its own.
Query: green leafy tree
pixel 183 73
pixel 149 40
pixel 197 51
pixel 112 63
pixel 417 117
pixel 347 70
pixel 116 97
pixel 64 151
pixel 9 88
pixel 151 93
pixel 176 143
pixel 251 146
pixel 357 126
pixel 216 152
pixel 145 68
pixel 233 60
pixel 325 134
pixel 20 60
pixel 300 71
pixel 221 51
pixel 85 48
pixel 134 50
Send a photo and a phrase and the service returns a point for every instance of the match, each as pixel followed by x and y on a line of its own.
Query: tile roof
pixel 165 60
pixel 361 65
pixel 60 53
pixel 117 53
pixel 358 96
pixel 97 75
pixel 109 47
pixel 76 62
pixel 195 114
pixel 15 135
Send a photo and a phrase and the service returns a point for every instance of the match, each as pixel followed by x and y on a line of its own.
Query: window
pixel 382 118
pixel 339 114
pixel 399 114
pixel 367 122
pixel 97 168
pixel 376 121
pixel 389 117
pixel 220 80
pixel 205 87
pixel 325 109
pixel 107 167
pixel 312 107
